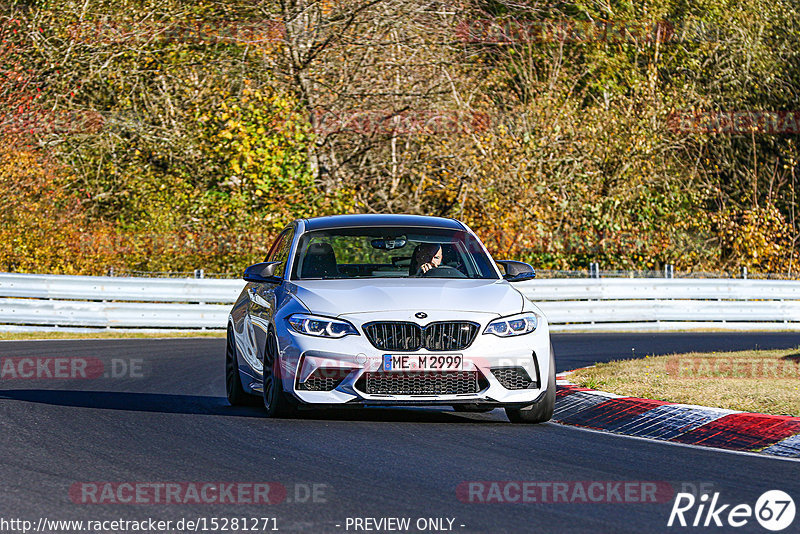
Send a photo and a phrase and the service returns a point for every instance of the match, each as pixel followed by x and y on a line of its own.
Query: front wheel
pixel 541 411
pixel 234 390
pixel 276 402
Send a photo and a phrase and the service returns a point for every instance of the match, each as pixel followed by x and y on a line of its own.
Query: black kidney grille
pixel 394 335
pixel 440 336
pixel 450 335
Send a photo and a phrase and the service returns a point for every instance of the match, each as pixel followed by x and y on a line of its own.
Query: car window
pixel 275 246
pixel 280 251
pixel 390 252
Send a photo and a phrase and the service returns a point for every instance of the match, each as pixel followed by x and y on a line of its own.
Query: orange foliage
pixel 43 227
pixel 757 238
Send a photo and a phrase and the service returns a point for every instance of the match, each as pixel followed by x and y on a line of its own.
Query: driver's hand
pixel 425 267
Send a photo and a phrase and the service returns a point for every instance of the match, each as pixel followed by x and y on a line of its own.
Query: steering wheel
pixel 444 271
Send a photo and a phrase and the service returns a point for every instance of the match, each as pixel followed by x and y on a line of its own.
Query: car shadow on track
pixel 135 402
pixel 203 405
pixel 402 415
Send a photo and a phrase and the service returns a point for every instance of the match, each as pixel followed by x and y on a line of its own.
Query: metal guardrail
pixel 48 286
pixel 659 288
pixel 112 314
pixel 37 302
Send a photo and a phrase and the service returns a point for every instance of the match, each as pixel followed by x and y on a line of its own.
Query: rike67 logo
pixel 774 510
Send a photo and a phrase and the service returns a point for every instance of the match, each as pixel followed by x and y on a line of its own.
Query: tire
pixel 276 402
pixel 234 390
pixel 542 411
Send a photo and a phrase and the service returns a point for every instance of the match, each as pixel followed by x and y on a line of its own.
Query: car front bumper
pixel 349 359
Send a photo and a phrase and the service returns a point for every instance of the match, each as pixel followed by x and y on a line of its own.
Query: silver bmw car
pixel 397 310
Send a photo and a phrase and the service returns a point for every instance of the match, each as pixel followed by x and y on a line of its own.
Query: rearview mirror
pixel 517 271
pixel 262 272
pixel 389 243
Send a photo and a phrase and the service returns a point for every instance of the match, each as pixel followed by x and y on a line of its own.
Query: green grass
pixel 751 381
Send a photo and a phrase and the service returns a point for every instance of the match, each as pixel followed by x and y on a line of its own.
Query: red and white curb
pixel 680 423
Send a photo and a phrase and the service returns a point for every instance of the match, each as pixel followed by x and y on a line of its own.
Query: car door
pixel 263 298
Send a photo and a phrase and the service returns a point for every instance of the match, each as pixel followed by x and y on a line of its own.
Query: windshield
pixel 391 252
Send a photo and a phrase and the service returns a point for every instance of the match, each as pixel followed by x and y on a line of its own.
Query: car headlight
pixel 312 325
pixel 515 325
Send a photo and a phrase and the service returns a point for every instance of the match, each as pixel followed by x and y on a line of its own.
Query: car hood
pixel 342 297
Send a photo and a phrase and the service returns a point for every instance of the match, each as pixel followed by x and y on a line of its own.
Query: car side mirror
pixel 263 272
pixel 517 271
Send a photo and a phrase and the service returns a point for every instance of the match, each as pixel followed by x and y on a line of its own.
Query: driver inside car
pixel 426 257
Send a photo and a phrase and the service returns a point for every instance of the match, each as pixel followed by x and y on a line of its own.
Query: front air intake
pixel 324 379
pixel 420 383
pixel 514 378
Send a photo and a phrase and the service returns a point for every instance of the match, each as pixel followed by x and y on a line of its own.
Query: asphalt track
pixel 169 422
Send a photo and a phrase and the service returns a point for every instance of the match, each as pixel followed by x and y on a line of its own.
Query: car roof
pixel 350 221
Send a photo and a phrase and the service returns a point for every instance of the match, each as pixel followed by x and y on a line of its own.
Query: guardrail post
pixel 110 271
pixel 744 273
pixel 594 270
pixel 200 273
pixel 669 271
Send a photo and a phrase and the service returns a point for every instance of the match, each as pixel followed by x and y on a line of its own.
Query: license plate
pixel 422 362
